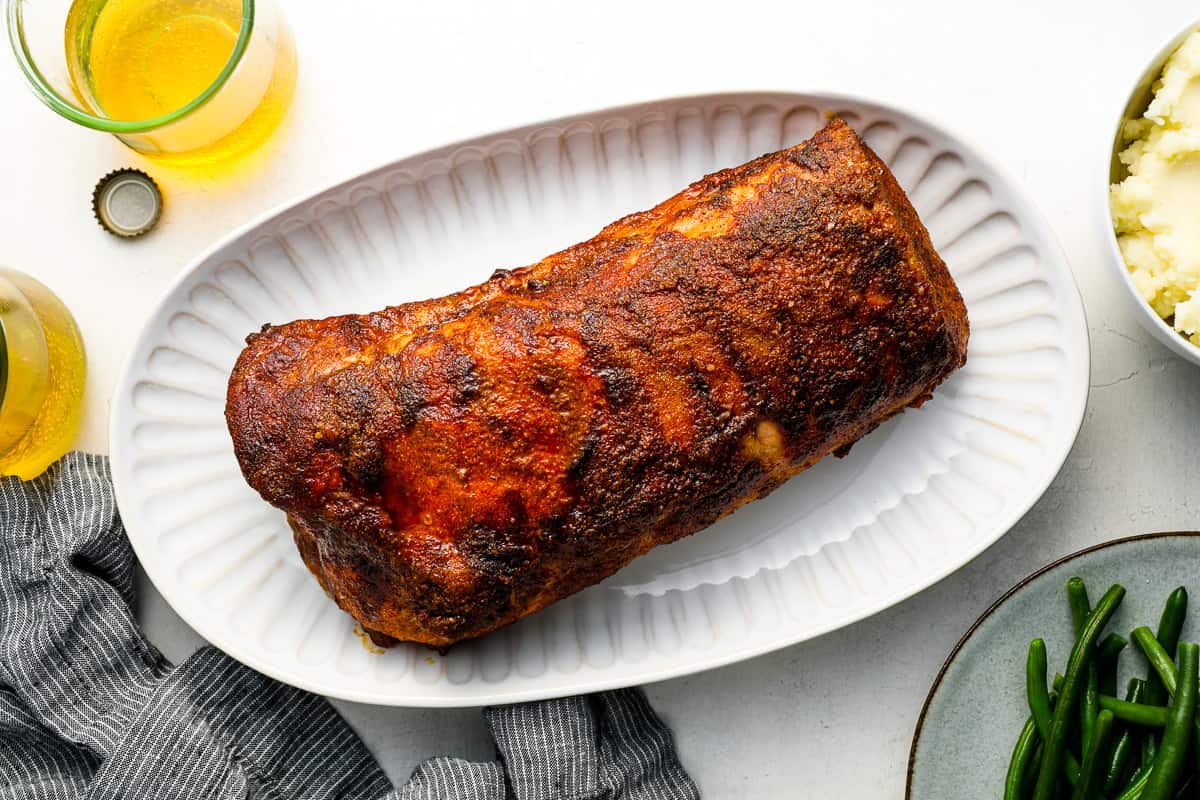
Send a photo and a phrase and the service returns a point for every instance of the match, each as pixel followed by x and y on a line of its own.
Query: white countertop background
pixel 1037 84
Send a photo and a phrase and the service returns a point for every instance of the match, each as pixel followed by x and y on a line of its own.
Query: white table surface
pixel 1035 83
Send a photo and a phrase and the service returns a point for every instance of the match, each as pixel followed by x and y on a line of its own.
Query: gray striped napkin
pixel 88 708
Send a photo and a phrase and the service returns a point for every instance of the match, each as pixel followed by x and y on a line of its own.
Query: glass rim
pixel 68 109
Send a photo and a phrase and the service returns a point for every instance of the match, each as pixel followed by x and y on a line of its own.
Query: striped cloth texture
pixel 90 709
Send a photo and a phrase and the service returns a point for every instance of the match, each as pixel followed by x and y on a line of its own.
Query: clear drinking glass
pixel 178 80
pixel 42 374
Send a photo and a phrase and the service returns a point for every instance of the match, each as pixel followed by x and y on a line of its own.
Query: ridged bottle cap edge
pixel 103 211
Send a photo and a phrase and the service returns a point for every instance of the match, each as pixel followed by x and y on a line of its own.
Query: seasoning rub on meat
pixel 451 465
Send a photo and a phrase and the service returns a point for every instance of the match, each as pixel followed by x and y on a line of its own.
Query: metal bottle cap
pixel 127 202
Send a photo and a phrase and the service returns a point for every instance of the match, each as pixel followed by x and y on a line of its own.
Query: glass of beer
pixel 183 81
pixel 42 374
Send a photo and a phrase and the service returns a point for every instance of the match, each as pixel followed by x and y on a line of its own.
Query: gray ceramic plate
pixel 976 707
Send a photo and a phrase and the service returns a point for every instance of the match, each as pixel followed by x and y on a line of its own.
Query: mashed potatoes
pixel 1156 210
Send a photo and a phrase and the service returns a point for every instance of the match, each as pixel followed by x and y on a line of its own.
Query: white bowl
pixel 1134 106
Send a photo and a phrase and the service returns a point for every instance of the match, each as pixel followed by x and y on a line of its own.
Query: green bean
pixel 1173 749
pixel 1081 656
pixel 1149 750
pixel 1137 713
pixel 1030 775
pixel 1021 758
pixel 1108 682
pixel 1123 748
pixel 1137 784
pixel 1169 626
pixel 1159 658
pixel 1107 653
pixel 1091 776
pixel 1077 599
pixel 1040 702
pixel 1089 706
pixel 1110 647
pixel 1035 686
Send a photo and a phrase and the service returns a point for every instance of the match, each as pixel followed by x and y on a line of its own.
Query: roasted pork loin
pixel 451 465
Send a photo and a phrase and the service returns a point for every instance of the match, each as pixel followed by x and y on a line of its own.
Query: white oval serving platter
pixel 912 502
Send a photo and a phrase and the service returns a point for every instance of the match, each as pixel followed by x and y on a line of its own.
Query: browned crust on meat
pixel 454 464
